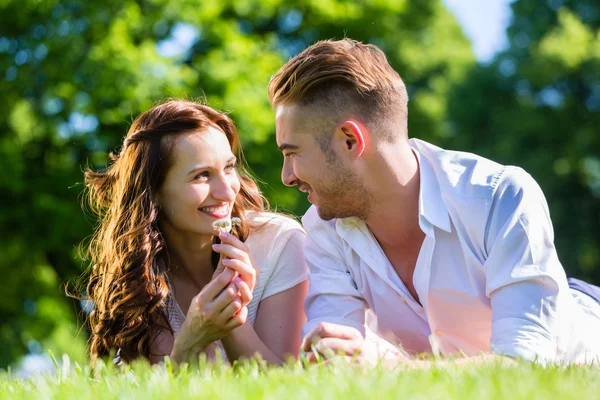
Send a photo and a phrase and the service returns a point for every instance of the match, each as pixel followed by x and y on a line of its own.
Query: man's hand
pixel 330 340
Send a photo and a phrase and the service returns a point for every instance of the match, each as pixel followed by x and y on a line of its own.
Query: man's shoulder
pixel 465 174
pixel 516 186
pixel 475 188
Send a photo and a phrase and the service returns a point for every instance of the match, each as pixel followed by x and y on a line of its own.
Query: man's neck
pixel 394 219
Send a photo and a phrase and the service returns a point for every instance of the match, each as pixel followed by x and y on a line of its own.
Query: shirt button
pixel 438 332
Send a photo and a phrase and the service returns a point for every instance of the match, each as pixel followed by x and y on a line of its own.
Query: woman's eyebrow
pixel 199 167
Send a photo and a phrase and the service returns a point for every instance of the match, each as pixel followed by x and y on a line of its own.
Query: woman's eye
pixel 202 175
pixel 230 167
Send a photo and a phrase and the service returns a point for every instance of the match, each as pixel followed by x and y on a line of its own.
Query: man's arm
pixel 335 308
pixel 524 278
pixel 332 296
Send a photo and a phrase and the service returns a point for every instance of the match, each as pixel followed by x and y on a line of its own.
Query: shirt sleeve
pixel 525 280
pixel 289 268
pixel 332 296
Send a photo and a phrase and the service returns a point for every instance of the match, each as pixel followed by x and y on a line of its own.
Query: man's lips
pixel 305 189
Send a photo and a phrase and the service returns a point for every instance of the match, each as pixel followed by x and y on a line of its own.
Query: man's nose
pixel 287 175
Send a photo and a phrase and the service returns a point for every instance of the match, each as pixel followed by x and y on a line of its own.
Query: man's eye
pixel 287 155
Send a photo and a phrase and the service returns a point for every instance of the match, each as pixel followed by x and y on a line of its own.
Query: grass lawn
pixel 338 381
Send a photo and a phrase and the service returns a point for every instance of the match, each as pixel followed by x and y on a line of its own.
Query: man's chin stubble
pixel 327 215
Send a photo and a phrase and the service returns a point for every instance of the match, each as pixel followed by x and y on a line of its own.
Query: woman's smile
pixel 216 211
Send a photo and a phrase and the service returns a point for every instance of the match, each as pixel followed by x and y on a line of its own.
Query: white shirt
pixel 487 275
pixel 276 244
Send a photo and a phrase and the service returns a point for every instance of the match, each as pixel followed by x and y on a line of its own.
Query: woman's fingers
pixel 228 295
pixel 230 310
pixel 246 271
pixel 238 319
pixel 230 251
pixel 222 267
pixel 244 291
pixel 216 286
pixel 235 254
pixel 232 247
pixel 227 238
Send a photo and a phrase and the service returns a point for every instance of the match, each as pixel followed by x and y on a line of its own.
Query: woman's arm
pixel 161 346
pixel 277 332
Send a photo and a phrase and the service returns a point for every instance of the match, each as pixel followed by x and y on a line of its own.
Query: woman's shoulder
pixel 277 244
pixel 272 224
pixel 270 233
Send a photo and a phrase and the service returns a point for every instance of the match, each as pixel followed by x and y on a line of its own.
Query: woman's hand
pixel 235 255
pixel 213 314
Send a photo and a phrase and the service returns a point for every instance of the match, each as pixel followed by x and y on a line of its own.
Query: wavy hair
pixel 128 282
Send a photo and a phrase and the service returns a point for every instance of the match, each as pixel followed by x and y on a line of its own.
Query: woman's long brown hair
pixel 128 277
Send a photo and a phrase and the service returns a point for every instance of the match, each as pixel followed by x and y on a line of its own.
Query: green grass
pixel 338 381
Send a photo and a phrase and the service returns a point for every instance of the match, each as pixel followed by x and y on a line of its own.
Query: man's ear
pixel 354 137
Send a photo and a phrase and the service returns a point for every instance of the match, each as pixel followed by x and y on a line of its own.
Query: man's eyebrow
pixel 288 146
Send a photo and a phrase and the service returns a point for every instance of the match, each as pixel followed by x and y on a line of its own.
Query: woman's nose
pixel 224 190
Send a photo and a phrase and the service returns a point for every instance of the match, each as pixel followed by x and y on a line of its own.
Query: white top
pixel 276 244
pixel 487 275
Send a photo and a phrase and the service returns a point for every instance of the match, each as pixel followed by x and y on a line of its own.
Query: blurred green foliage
pixel 537 105
pixel 74 74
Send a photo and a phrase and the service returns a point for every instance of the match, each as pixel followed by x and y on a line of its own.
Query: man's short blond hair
pixel 341 77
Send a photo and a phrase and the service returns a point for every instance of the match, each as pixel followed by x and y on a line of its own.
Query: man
pixel 434 250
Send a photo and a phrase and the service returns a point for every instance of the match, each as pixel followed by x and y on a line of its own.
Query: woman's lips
pixel 216 211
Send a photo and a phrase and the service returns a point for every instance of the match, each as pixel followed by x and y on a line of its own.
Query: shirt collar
pixel 344 225
pixel 431 205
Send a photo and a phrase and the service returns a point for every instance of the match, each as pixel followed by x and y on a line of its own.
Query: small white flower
pixel 225 225
pixel 222 225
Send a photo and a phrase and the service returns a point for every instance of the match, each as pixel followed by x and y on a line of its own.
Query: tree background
pixel 74 74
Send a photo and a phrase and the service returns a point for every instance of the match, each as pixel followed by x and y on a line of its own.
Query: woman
pixel 162 282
